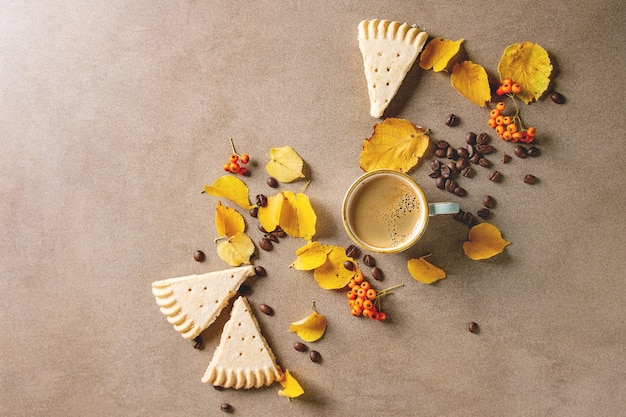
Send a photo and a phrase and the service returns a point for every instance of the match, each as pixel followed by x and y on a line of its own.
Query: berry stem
pixel 232 145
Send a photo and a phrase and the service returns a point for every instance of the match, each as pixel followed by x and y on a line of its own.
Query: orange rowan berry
pixel 356 311
pixel 233 157
pixel 367 313
pixel 358 278
pixel 374 315
pixel 501 106
pixel 351 295
pixel 382 316
pixel 226 167
pixel 371 294
pixel 512 127
pixel 500 129
pixel 368 305
pixel 359 301
pixel 516 88
pixel 506 86
pixel 352 283
pixel 507 120
pixel 242 171
pixel 531 131
pixel 233 167
pixel 499 91
pixel 245 158
pixel 492 123
pixel 506 135
pixel 365 285
pixel 500 120
pixel 494 113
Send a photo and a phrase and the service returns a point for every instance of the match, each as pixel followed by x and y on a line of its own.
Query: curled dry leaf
pixel 311 256
pixel 228 221
pixel 291 387
pixel 269 215
pixel 471 81
pixel 292 212
pixel 285 164
pixel 332 274
pixel 231 188
pixel 485 241
pixel 423 271
pixel 311 328
pixel 395 144
pixel 527 64
pixel 236 250
pixel 438 54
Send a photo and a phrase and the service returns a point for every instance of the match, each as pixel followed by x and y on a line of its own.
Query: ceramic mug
pixel 386 211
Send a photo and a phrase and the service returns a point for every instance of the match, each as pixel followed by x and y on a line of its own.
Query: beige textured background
pixel 113 116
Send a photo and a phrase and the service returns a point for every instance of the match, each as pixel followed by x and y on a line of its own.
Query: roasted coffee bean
pixel 495 176
pixel 489 201
pixel 445 171
pixel 272 182
pixel 260 271
pixel 461 164
pixel 369 260
pixel 244 289
pixel 475 159
pixel 468 172
pixel 530 179
pixel 315 356
pixel 506 158
pixel 485 149
pixel 452 166
pixel 271 237
pixel 462 152
pixel 261 228
pixel 469 219
pixel 458 216
pixel 226 407
pixel 198 256
pixel 435 164
pixel 349 265
pixel 218 388
pixel 261 200
pixel 451 153
pixel 377 273
pixel 452 120
pixel 533 151
pixel 435 174
pixel 254 211
pixel 300 347
pixel 472 327
pixel 198 343
pixel 266 244
pixel 451 185
pixel 279 232
pixel 442 144
pixel 460 191
pixel 471 151
pixel 470 138
pixel 484 213
pixel 440 152
pixel 441 182
pixel 483 139
pixel 484 162
pixel 520 151
pixel 267 310
pixel 557 98
pixel 353 252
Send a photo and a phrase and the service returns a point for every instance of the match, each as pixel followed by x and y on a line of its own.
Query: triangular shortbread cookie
pixel 193 302
pixel 243 358
pixel 389 50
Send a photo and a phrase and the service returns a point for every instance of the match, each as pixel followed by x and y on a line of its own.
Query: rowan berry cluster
pixel 509 127
pixel 363 299
pixel 235 162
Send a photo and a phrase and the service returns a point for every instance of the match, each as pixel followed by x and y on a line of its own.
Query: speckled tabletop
pixel 115 114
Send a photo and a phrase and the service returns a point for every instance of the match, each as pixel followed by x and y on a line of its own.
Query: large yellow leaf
pixel 269 215
pixel 228 221
pixel 236 250
pixel 285 164
pixel 232 188
pixel 395 144
pixel 310 328
pixel 438 54
pixel 297 217
pixel 311 256
pixel 471 81
pixel 332 274
pixel 423 271
pixel 291 387
pixel 485 241
pixel 527 64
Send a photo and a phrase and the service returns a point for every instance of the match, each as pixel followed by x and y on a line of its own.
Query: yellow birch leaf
pixel 471 81
pixel 291 387
pixel 527 64
pixel 285 164
pixel 438 54
pixel 311 328
pixel 423 271
pixel 231 188
pixel 228 221
pixel 270 214
pixel 332 274
pixel 485 241
pixel 310 256
pixel 395 144
pixel 236 250
pixel 297 217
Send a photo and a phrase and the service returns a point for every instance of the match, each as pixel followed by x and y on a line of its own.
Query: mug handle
pixel 442 208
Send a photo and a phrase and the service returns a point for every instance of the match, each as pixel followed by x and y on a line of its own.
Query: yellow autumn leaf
pixel 485 241
pixel 438 54
pixel 236 250
pixel 310 328
pixel 332 274
pixel 285 164
pixel 228 221
pixel 310 256
pixel 395 144
pixel 527 64
pixel 471 81
pixel 297 217
pixel 269 215
pixel 423 271
pixel 231 188
pixel 291 387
